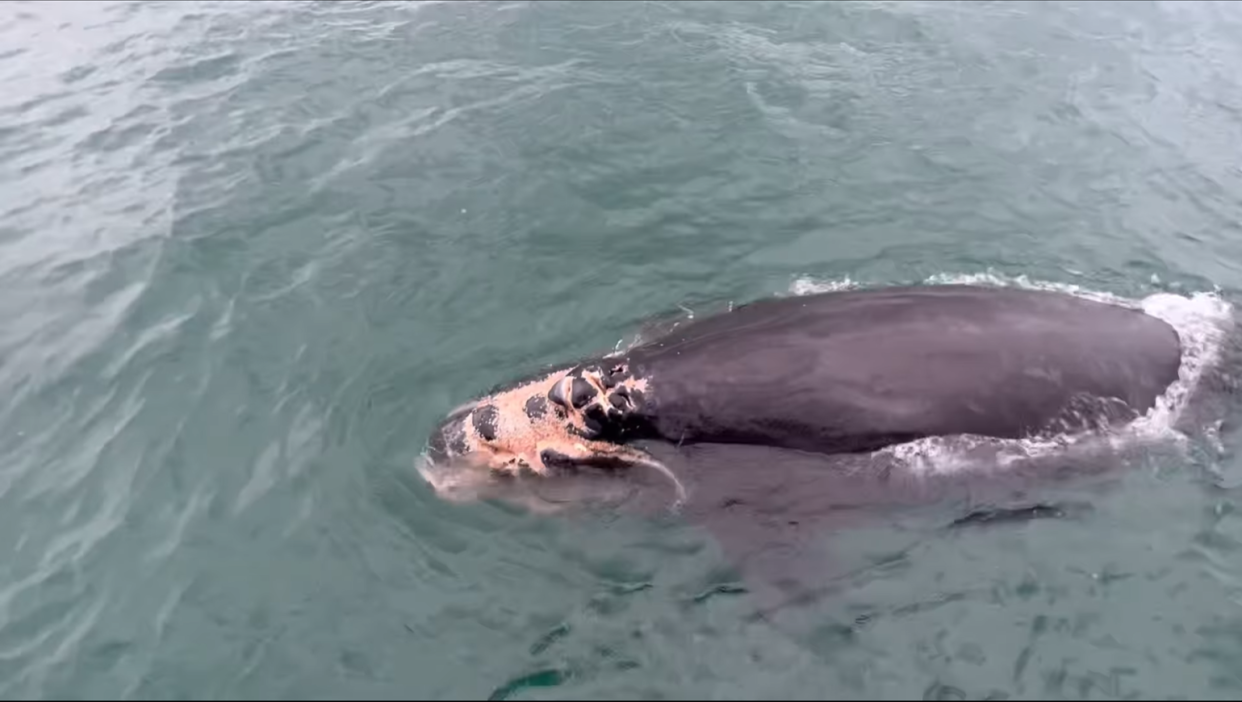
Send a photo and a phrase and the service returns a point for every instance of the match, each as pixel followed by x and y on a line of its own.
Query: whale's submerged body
pixel 780 415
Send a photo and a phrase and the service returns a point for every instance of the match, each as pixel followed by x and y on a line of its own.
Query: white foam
pixel 807 286
pixel 1202 321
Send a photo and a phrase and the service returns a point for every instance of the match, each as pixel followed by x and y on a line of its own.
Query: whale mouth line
pixel 576 480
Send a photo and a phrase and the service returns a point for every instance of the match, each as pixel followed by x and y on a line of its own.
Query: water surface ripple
pixel 251 251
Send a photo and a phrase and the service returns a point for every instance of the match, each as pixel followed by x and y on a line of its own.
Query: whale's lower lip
pixel 458 481
pixel 449 481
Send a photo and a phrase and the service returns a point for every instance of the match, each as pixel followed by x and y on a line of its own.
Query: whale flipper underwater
pixel 783 414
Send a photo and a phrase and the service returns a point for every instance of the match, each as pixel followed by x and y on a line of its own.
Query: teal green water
pixel 250 252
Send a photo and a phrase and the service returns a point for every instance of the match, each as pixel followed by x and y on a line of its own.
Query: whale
pixel 838 372
pixel 786 415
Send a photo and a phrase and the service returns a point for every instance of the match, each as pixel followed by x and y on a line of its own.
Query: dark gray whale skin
pixel 855 371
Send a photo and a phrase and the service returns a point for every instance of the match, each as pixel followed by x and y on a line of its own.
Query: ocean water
pixel 251 252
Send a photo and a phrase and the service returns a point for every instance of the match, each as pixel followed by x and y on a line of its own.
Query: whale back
pixel 857 370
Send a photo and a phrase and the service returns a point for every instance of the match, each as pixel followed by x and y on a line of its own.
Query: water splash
pixel 809 286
